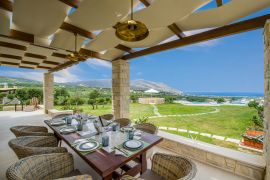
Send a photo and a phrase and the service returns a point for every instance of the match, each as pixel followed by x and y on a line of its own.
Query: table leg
pixel 109 177
pixel 143 162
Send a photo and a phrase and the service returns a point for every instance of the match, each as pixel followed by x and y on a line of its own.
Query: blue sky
pixel 230 64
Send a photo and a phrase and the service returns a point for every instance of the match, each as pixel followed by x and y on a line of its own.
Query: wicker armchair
pixel 168 167
pixel 147 127
pixel 44 167
pixel 33 145
pixel 124 122
pixel 30 131
pixel 105 118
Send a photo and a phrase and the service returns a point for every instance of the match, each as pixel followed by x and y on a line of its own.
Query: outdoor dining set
pixel 111 147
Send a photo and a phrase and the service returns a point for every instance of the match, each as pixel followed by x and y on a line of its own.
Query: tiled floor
pixel 7 156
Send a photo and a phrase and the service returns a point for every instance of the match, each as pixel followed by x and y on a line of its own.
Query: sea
pixel 226 94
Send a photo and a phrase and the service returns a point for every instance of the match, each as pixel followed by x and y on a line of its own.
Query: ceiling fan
pixel 75 55
pixel 131 30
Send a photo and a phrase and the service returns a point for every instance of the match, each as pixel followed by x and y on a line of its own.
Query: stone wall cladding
pixel 217 160
pixel 48 96
pixel 267 97
pixel 120 88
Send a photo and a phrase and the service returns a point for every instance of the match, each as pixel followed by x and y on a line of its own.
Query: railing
pixel 239 163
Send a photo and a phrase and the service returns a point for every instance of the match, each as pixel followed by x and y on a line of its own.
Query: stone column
pixel 120 88
pixel 48 96
pixel 267 97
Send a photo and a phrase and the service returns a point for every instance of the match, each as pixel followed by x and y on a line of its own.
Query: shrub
pixel 141 120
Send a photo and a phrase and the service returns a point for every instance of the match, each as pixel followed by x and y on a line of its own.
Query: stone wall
pixel 267 97
pixel 151 100
pixel 120 88
pixel 48 96
pixel 246 165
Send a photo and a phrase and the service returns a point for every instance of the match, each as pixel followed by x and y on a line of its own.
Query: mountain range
pixel 138 84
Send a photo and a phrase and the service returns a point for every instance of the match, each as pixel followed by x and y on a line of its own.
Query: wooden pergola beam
pixel 220 32
pixel 124 48
pixel 176 30
pixel 6 5
pixel 219 3
pixel 37 56
pixel 74 29
pixel 63 66
pixel 22 36
pixel 145 2
pixel 72 3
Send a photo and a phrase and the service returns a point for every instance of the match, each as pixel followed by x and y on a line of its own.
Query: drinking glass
pixel 105 140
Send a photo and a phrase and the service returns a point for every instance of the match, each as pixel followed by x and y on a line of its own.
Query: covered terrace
pixel 39 35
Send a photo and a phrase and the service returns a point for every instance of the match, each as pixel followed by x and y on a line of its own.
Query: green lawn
pixel 136 110
pixel 231 121
pixel 166 109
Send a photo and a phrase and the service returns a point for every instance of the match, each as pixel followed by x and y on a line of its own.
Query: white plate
pixel 67 130
pixel 133 144
pixel 87 146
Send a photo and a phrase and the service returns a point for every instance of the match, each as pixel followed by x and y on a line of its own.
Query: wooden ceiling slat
pixel 59 55
pixel 51 62
pixel 72 3
pixel 27 67
pixel 10 63
pixel 77 30
pixel 13 46
pixel 37 56
pixel 31 63
pixel 176 30
pixel 124 48
pixel 219 3
pixel 227 30
pixel 10 56
pixel 44 67
pixel 22 36
pixel 145 2
pixel 6 5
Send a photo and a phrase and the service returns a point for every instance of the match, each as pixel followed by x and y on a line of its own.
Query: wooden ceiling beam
pixel 91 54
pixel 6 5
pixel 72 3
pixel 176 30
pixel 219 3
pixel 145 2
pixel 220 32
pixel 74 29
pixel 22 36
pixel 63 66
pixel 13 46
pixel 124 48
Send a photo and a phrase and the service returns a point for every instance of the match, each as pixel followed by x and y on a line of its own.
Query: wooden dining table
pixel 105 162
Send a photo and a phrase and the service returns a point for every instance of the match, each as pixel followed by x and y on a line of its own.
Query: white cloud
pixel 37 76
pixel 96 63
pixel 66 75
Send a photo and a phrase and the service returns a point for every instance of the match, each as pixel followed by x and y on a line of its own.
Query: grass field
pixel 136 110
pixel 229 121
pixel 167 109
